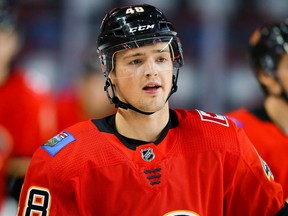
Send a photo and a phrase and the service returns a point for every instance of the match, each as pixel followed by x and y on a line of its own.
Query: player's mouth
pixel 152 88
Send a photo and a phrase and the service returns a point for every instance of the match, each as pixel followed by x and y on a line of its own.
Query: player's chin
pixel 155 107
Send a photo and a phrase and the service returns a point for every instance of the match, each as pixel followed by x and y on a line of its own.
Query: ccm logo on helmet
pixel 141 28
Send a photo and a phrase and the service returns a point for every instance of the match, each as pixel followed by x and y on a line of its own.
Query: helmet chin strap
pixel 120 104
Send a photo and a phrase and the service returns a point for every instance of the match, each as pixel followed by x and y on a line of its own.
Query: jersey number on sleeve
pixel 38 202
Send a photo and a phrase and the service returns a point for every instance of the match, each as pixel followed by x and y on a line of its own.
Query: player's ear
pixel 271 84
pixel 112 76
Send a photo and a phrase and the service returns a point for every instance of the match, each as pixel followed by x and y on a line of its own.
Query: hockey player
pixel 267 125
pixel 26 109
pixel 84 98
pixel 148 159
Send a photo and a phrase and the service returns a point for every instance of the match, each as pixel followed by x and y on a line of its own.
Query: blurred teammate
pixel 85 98
pixel 148 159
pixel 27 110
pixel 267 125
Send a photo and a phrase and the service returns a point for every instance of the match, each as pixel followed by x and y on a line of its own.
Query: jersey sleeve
pixel 253 190
pixel 41 187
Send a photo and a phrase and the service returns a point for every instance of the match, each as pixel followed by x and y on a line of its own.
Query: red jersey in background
pixel 28 113
pixel 269 140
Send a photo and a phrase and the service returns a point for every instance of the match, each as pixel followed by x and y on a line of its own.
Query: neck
pixel 139 126
pixel 277 109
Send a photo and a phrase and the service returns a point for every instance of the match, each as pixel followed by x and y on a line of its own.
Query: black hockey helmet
pixel 134 26
pixel 267 45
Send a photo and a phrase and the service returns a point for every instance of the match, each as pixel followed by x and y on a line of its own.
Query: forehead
pixel 158 47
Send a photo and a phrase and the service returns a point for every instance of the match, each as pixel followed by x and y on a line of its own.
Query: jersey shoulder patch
pixel 236 121
pixel 55 144
pixel 212 117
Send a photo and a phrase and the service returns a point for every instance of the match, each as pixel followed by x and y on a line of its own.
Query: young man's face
pixel 143 76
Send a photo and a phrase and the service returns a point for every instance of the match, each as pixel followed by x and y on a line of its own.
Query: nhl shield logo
pixel 147 154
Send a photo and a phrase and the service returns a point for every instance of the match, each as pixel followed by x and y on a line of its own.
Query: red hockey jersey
pixel 203 166
pixel 29 116
pixel 270 142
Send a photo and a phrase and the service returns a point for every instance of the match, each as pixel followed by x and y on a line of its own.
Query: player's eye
pixel 162 59
pixel 135 62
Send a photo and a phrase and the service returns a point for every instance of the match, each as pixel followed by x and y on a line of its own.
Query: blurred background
pixel 58 40
pixel 57 37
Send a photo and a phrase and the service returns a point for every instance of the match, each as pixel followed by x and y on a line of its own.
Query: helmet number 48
pixel 134 10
